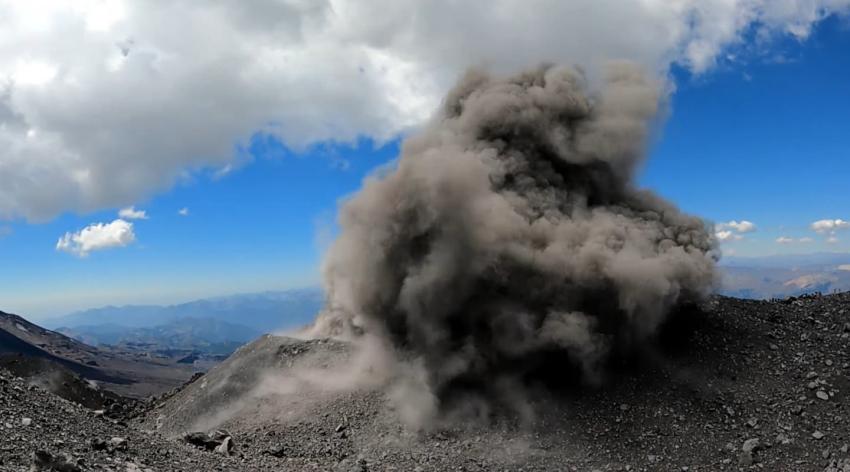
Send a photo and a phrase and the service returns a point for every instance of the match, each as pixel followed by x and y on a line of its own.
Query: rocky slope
pixel 738 385
pixel 44 432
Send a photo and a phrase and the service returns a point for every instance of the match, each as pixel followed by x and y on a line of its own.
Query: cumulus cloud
pixel 829 226
pixel 183 211
pixel 732 230
pixel 727 235
pixel 832 240
pixel 103 103
pixel 130 213
pixel 96 237
pixel 742 226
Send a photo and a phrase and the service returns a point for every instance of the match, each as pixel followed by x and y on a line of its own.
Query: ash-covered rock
pixel 725 387
pixel 711 394
pixel 41 431
pixel 218 441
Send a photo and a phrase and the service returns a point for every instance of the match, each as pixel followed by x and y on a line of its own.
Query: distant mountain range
pixel 211 326
pixel 264 311
pixel 782 276
pixel 217 326
pixel 75 370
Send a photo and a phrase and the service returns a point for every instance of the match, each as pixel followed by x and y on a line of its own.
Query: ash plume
pixel 512 234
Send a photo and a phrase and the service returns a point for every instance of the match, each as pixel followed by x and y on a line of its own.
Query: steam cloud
pixel 512 231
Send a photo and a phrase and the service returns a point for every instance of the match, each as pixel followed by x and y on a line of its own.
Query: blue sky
pixel 260 227
pixel 761 135
pixel 765 140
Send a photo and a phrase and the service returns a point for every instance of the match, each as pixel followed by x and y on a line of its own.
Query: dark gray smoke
pixel 512 231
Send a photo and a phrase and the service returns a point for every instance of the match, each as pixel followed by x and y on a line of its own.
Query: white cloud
pixel 731 230
pixel 829 226
pixel 787 240
pixel 96 237
pixel 832 240
pixel 105 102
pixel 5 230
pixel 183 211
pixel 728 236
pixel 742 226
pixel 130 213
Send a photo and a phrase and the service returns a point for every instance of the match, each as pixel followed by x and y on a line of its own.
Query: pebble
pixel 822 395
pixel 750 445
pixel 817 435
pixel 26 421
pixel 224 447
pixel 118 443
pixel 745 459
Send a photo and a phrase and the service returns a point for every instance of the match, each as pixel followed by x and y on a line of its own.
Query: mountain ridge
pixel 267 311
pixel 40 352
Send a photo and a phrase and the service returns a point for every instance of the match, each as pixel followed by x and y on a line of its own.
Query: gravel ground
pixel 68 437
pixel 741 385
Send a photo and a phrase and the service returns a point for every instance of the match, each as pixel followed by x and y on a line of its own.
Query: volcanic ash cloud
pixel 512 230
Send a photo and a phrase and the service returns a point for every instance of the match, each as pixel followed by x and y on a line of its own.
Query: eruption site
pixel 511 234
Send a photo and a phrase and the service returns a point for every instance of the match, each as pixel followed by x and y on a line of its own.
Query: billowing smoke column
pixel 511 228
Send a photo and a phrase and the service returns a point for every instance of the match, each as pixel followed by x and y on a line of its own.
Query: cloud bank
pixel 103 103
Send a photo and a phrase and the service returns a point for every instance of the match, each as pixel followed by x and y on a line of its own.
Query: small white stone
pixel 750 445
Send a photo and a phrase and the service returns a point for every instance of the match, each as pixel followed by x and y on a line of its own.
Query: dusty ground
pixel 743 385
